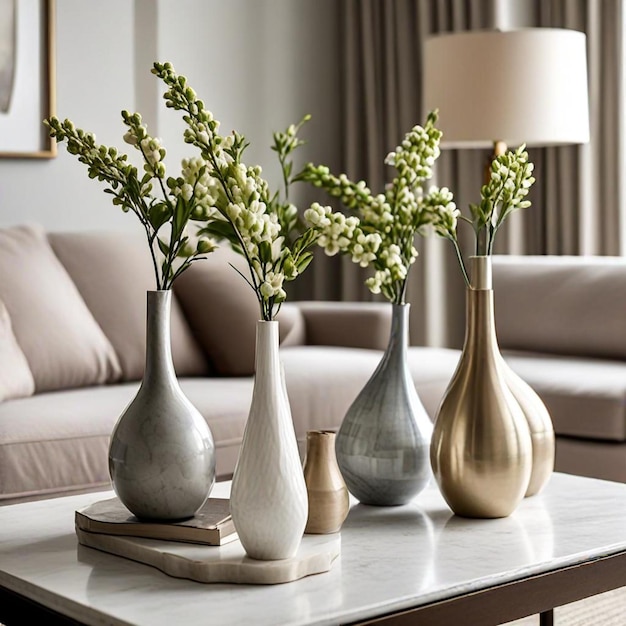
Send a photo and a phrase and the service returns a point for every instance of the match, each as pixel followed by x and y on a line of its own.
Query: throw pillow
pixel 223 311
pixel 113 272
pixel 62 342
pixel 16 379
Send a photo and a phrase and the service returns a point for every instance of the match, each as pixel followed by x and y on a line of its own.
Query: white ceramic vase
pixel 268 499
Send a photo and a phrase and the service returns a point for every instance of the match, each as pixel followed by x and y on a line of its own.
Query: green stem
pixel 151 239
pixel 282 159
pixel 482 240
pixel 492 240
pixel 169 260
pixel 459 257
pixel 401 292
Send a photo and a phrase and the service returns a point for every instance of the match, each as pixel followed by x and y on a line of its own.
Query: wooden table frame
pixel 530 596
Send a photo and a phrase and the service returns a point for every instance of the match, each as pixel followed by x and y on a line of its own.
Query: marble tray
pixel 223 564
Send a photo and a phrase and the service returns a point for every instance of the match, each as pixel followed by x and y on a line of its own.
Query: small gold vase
pixel 329 501
pixel 481 449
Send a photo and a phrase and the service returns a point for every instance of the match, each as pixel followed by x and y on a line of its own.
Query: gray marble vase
pixel 161 454
pixel 382 446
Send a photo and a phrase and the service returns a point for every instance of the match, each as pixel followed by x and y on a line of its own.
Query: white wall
pixel 258 64
pixel 95 80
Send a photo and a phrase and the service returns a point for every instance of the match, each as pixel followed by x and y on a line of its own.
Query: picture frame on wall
pixel 27 78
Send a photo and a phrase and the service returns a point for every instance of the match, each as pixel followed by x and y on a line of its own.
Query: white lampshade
pixel 521 86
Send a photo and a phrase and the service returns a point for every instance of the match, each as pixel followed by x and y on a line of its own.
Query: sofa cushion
pixel 585 397
pixel 16 379
pixel 347 324
pixel 561 305
pixel 222 311
pixel 62 342
pixel 113 272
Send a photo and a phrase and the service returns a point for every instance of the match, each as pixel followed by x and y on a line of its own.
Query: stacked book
pixel 212 525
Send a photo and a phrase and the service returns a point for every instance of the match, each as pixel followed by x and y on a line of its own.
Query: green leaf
pixel 163 247
pixel 303 262
pixel 306 239
pixel 221 229
pixel 158 214
pixel 180 219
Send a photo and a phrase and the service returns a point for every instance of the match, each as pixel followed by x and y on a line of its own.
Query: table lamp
pixel 499 88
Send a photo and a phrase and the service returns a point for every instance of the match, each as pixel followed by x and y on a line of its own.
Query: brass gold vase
pixel 481 448
pixel 329 501
pixel 541 430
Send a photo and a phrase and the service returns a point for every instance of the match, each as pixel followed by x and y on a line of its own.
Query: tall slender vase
pixel 383 442
pixel 481 450
pixel 268 498
pixel 161 453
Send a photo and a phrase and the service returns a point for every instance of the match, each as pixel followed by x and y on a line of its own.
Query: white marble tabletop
pixel 391 559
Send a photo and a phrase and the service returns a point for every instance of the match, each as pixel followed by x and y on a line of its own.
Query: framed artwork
pixel 27 80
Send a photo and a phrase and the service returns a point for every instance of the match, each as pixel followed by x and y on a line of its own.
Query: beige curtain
pixel 579 207
pixel 577 202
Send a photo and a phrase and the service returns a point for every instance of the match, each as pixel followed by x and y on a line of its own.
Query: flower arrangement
pixel 165 214
pixel 510 179
pixel 382 232
pixel 261 226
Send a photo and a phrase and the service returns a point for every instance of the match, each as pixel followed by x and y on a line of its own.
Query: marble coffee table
pixel 402 565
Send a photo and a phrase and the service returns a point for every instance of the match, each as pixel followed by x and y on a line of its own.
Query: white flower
pixel 130 138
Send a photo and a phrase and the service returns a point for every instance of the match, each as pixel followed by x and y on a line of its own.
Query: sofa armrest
pixel 347 324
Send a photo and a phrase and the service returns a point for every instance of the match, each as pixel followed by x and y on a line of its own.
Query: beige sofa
pixel 72 342
pixel 72 327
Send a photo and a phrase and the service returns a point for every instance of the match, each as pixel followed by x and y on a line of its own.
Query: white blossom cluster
pixel 246 208
pixel 339 233
pixel 164 214
pixel 510 180
pixel 416 155
pixel 444 211
pixel 243 200
pixel 235 198
pixel 506 190
pixel 394 216
pixel 195 182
